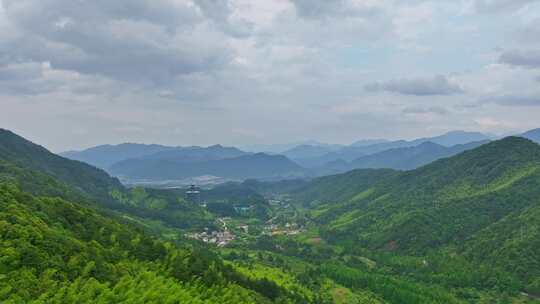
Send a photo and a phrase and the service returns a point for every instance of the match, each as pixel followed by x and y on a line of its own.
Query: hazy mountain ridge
pixel 406 158
pixel 195 154
pixel 105 155
pixel 368 142
pixel 308 151
pixel 259 165
pixel 156 162
pixel 350 153
pixel 533 135
pixel 411 157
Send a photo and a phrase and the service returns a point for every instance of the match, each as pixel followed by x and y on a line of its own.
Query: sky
pixel 79 73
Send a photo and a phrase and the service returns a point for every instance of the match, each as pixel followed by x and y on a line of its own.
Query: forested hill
pixel 37 171
pixel 88 181
pixel 476 200
pixel 55 251
pixel 340 187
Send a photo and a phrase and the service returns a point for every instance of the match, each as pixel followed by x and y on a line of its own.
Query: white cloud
pixel 522 58
pixel 437 85
pixel 201 72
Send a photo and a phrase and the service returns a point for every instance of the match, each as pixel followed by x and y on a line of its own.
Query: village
pixel 219 238
pixel 280 224
pixel 224 237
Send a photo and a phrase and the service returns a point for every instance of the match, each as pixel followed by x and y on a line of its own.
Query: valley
pixel 269 152
pixel 463 229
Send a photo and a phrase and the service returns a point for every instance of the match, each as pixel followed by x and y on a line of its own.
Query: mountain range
pixel 406 158
pixel 410 157
pixel 259 165
pixel 106 155
pixel 157 163
pixel 350 153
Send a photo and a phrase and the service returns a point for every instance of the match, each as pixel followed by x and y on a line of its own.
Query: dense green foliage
pixel 91 182
pixel 54 251
pixel 482 204
pixel 163 205
pixel 337 188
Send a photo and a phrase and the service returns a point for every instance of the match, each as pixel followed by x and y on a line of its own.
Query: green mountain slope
pixel 337 188
pixel 55 251
pixel 484 202
pixel 512 243
pixel 37 171
pixel 89 181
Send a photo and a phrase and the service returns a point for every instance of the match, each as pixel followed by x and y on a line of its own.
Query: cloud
pixel 321 8
pixel 425 110
pixel 521 58
pixel 496 6
pixel 178 71
pixel 528 32
pixel 141 40
pixel 513 99
pixel 437 85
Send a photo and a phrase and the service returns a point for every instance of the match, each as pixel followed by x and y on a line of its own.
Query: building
pixel 244 228
pixel 219 238
pixel 193 194
pixel 243 210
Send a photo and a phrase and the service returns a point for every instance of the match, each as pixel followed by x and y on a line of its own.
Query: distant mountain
pixel 368 142
pixel 281 148
pixel 455 138
pixel 258 165
pixel 138 162
pixel 405 158
pixel 308 151
pixel 352 152
pixel 195 154
pixel 533 135
pixel 105 155
pixel 411 157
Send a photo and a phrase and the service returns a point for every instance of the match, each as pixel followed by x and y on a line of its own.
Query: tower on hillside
pixel 193 194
